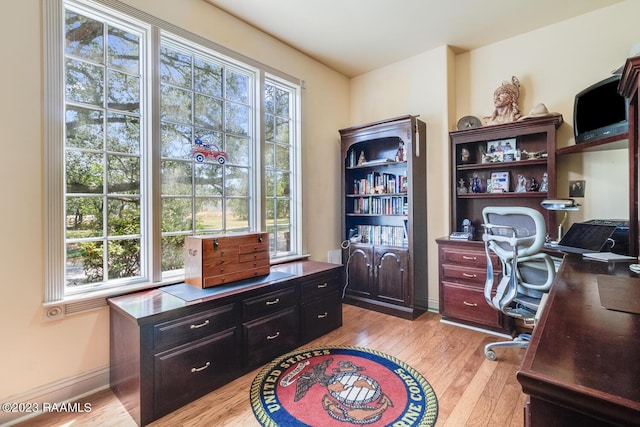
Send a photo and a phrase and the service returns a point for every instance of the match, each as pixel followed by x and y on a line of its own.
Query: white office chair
pixel 516 235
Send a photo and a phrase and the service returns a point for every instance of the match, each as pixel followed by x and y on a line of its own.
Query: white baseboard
pixel 66 390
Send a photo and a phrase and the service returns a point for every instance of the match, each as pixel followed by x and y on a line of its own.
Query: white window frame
pixel 57 302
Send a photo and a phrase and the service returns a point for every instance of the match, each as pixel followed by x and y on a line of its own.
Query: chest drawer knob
pixel 205 323
pixel 469 258
pixel 201 368
pixel 275 301
pixel 322 285
pixel 323 315
pixel 470 304
pixel 473 276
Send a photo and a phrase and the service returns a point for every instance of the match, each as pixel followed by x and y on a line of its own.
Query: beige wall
pixel 552 64
pixel 36 353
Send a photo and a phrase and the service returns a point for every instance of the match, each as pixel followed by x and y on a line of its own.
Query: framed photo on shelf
pixel 500 182
pixel 502 146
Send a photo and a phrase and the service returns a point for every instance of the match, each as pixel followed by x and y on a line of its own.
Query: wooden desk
pixel 583 363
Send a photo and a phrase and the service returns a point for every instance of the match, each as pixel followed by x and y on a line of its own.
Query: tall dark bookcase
pixel 384 221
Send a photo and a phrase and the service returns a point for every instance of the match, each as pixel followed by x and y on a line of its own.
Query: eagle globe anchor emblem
pixel 352 396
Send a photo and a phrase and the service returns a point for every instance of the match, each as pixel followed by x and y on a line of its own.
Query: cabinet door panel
pixel 391 274
pixel 359 271
pixel 321 316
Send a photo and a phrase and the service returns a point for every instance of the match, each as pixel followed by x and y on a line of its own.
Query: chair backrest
pixel 528 224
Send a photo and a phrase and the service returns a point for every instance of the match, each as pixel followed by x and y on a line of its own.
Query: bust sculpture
pixel 505 101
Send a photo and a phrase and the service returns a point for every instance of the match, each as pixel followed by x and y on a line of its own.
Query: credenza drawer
pixel 319 287
pixel 321 316
pixel 466 303
pixel 190 371
pixel 267 304
pixel 272 335
pixel 191 328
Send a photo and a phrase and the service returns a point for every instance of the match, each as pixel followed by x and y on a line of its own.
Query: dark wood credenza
pixel 167 351
pixel 583 363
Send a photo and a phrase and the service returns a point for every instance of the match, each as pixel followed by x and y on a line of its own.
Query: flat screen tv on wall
pixel 599 111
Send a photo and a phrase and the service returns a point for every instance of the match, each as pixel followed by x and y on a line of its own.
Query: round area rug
pixel 342 386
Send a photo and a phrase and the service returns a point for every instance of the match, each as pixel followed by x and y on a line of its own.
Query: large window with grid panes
pixel 155 134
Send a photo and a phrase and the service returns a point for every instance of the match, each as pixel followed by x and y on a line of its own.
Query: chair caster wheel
pixel 490 354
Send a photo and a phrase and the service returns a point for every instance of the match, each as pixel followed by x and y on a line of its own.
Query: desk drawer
pixel 468 304
pixel 320 287
pixel 269 303
pixel 472 276
pixel 321 316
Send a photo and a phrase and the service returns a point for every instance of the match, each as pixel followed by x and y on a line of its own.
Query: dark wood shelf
pixel 510 194
pixel 616 142
pixel 504 165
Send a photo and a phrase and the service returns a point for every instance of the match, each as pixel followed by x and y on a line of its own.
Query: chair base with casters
pixel 516 236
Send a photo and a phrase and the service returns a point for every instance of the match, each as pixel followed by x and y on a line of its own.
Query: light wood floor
pixel 471 390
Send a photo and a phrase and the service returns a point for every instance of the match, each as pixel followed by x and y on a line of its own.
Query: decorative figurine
pixel 362 159
pixel 489 185
pixel 475 187
pixel 461 187
pixel 505 101
pixel 522 184
pixel 400 153
pixel 544 185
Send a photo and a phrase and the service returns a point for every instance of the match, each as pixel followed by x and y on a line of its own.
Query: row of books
pixel 386 205
pixel 376 182
pixel 388 235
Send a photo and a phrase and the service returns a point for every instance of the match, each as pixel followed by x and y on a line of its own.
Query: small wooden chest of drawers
pixel 463 272
pixel 219 259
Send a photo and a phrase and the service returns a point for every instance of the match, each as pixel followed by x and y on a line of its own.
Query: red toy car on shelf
pixel 202 150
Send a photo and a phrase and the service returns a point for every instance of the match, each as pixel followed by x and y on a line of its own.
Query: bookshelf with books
pixel 384 216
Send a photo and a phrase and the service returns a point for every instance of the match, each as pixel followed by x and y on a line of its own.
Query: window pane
pixel 84 172
pixel 123 217
pixel 283 242
pixel 282 103
pixel 84 217
pixel 271 213
pixel 172 252
pixel 236 181
pixel 209 214
pixel 282 186
pixel 175 67
pixel 208 112
pixel 85 82
pixel 84 128
pixel 176 104
pixel 237 118
pixel 175 141
pixel 269 177
pixel 124 174
pixel 269 127
pixel 238 150
pixel 270 99
pixel 237 214
pixel 123 50
pixel 84 37
pixel 208 180
pixel 283 214
pixel 124 92
pixel 176 178
pixel 269 155
pixel 85 263
pixel 176 214
pixel 282 157
pixel 282 131
pixel 123 258
pixel 207 78
pixel 237 87
pixel 123 133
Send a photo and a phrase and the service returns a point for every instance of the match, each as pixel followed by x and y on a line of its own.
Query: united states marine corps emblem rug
pixel 342 386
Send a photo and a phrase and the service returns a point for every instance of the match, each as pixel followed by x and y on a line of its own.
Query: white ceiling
pixel 357 36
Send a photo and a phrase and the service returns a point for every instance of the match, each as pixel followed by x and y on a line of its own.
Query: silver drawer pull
pixel 470 304
pixel 323 315
pixel 322 285
pixel 470 258
pixel 469 275
pixel 205 323
pixel 202 368
pixel 275 301
pixel 273 337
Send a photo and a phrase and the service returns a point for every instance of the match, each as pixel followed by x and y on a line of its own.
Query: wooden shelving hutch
pixel 384 221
